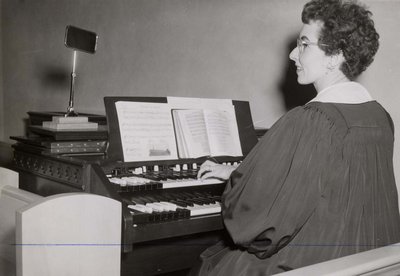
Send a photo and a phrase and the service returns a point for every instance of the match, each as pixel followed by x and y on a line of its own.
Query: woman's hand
pixel 210 169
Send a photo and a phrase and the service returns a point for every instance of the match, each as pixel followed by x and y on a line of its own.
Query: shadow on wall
pixel 55 77
pixel 293 93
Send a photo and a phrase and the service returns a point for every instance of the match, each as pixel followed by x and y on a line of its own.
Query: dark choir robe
pixel 318 186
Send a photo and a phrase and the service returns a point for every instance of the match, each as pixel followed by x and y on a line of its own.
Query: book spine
pixel 41 150
pixel 74 150
pixel 63 126
pixel 76 144
pixel 70 120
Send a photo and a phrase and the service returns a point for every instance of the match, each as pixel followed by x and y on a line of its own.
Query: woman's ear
pixel 336 60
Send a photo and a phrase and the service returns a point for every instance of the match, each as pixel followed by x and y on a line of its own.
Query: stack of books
pixel 64 136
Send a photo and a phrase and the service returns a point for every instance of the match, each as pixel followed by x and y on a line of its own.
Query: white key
pixel 198 210
pixel 134 181
pixel 163 206
pixel 141 208
pixel 118 181
pixel 170 206
pixel 156 207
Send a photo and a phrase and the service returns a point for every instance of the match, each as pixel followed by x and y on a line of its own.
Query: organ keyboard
pixel 168 216
pixel 162 204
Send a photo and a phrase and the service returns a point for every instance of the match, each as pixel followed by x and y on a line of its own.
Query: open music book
pixel 159 131
pixel 202 132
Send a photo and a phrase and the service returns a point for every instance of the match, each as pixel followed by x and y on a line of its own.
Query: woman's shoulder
pixel 309 118
pixel 336 117
pixel 317 112
pixel 368 114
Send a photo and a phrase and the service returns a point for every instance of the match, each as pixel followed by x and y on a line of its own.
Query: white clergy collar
pixel 345 92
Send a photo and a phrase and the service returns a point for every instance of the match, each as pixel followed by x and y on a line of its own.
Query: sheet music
pixel 147 131
pixel 191 133
pixel 223 135
pixel 223 132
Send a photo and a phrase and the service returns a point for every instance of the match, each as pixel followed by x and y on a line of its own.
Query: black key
pixel 179 203
pixel 186 202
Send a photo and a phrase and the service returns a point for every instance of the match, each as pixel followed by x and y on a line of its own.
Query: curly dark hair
pixel 347 28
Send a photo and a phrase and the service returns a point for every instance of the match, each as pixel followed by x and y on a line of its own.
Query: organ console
pixel 168 216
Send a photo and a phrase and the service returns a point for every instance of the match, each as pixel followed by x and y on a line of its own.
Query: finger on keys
pixel 204 168
pixel 206 175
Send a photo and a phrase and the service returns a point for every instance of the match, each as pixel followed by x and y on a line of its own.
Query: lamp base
pixel 71 112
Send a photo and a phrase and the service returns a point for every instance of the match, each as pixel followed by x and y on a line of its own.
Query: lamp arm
pixel 70 109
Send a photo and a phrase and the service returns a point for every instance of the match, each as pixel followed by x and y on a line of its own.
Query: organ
pixel 168 216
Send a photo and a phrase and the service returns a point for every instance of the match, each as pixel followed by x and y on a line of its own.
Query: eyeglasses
pixel 301 44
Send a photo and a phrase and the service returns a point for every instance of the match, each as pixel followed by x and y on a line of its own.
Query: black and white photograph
pixel 199 137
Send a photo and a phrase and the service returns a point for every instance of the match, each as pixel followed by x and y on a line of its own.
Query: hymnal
pixel 58 151
pixel 69 123
pixel 101 133
pixel 49 143
pixel 37 118
pixel 204 132
pixel 70 120
pixel 65 126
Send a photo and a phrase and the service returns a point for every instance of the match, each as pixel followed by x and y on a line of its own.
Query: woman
pixel 320 184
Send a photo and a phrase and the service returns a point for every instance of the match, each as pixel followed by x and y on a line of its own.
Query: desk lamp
pixel 79 40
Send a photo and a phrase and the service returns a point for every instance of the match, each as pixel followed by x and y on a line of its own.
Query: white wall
pixel 202 48
pixel 1 79
pixel 382 78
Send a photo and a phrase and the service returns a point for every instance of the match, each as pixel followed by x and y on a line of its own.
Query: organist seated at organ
pixel 320 183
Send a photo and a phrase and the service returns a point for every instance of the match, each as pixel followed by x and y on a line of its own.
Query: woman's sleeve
pixel 276 188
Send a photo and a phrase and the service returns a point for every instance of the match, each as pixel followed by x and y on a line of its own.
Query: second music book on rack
pixel 203 132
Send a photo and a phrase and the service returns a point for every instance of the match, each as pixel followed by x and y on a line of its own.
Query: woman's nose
pixel 294 54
